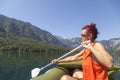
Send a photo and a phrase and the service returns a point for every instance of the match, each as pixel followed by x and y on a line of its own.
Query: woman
pixel 95 58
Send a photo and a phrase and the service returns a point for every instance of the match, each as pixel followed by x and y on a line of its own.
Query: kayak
pixel 65 69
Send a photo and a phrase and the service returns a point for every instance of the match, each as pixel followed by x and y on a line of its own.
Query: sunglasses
pixel 84 35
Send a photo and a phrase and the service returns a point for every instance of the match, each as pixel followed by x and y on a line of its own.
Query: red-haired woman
pixel 95 58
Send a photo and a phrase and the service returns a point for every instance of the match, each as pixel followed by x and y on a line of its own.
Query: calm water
pixel 18 66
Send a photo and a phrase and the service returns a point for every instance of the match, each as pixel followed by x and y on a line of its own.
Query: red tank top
pixel 92 70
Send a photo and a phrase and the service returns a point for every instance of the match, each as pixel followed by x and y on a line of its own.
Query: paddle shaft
pixel 63 56
pixel 36 71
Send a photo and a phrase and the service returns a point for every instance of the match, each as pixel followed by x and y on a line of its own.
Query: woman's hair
pixel 91 29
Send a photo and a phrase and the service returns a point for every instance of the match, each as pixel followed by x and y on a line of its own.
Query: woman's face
pixel 84 35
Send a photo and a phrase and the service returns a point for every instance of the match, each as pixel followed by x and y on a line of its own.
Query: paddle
pixel 36 71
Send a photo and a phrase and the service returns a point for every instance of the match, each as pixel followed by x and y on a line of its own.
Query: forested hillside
pixel 16 35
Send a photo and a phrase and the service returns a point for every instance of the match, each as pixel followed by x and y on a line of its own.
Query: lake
pixel 18 66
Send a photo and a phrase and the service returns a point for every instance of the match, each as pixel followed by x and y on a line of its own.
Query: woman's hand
pixel 55 61
pixel 87 45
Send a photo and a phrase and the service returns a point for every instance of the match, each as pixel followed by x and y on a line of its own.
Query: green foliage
pixel 22 45
pixel 19 36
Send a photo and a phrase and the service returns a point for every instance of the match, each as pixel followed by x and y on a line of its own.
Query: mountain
pixel 16 28
pixel 111 43
pixel 116 54
pixel 69 43
pixel 13 27
pixel 74 42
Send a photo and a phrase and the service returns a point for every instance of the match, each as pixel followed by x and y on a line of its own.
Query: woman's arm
pixel 101 54
pixel 70 58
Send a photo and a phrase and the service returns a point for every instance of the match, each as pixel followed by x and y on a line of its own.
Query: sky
pixel 65 18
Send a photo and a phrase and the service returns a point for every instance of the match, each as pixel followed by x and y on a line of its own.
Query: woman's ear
pixel 90 36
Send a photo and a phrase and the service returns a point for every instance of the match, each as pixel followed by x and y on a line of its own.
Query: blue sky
pixel 65 18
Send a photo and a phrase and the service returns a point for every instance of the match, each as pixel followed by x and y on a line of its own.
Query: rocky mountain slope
pixel 17 28
pixel 74 42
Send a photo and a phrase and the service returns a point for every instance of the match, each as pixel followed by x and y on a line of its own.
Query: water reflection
pixel 18 66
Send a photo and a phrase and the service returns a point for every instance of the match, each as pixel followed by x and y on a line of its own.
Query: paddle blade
pixel 35 72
